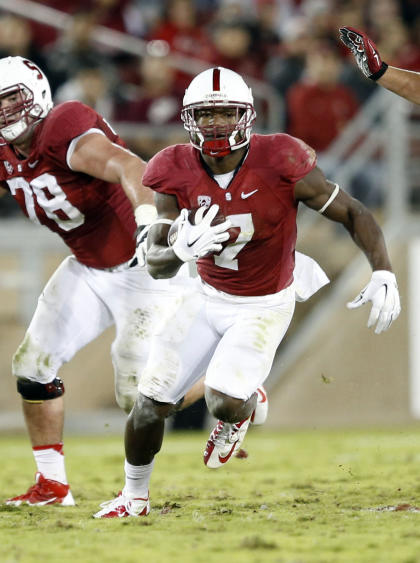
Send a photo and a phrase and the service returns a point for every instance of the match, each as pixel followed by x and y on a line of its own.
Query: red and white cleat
pixel 224 442
pixel 226 439
pixel 124 506
pixel 44 492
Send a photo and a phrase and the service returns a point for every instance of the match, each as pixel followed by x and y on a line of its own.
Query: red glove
pixel 365 52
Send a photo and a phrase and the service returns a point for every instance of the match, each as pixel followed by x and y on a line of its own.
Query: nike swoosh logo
pixel 189 244
pixel 244 195
pixel 44 502
pixel 224 459
pixel 33 164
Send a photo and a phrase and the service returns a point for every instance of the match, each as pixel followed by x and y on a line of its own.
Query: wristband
pixel 379 73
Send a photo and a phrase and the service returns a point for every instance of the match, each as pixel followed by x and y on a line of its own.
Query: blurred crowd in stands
pixel 290 45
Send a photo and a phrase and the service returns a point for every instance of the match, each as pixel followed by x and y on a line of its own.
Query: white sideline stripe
pixel 414 326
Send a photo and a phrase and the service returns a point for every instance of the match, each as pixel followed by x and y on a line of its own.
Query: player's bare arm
pixel 97 156
pixel 315 191
pixel 405 83
pixel 382 291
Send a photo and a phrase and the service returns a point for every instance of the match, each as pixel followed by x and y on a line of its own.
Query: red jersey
pixel 94 218
pixel 259 199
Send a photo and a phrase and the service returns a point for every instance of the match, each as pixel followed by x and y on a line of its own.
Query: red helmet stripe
pixel 216 80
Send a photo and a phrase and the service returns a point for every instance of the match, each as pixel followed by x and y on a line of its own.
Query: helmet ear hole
pixel 212 89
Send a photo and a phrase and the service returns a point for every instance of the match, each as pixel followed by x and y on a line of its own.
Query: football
pixel 219 218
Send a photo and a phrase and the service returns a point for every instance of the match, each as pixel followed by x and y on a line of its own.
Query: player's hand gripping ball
pixel 195 216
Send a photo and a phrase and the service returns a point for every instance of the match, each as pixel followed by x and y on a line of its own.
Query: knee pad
pixel 34 392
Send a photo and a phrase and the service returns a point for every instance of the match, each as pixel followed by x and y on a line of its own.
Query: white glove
pixel 382 291
pixel 196 241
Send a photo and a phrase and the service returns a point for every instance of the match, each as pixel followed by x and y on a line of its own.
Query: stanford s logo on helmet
pixel 214 88
pixel 23 79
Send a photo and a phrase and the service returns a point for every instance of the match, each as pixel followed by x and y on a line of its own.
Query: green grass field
pixel 300 497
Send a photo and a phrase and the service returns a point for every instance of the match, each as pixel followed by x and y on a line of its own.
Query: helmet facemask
pixel 219 140
pixel 16 118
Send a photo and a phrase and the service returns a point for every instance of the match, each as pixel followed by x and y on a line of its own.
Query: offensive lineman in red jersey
pixel 233 325
pixel 69 171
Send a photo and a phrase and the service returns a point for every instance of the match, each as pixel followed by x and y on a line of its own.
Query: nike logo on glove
pixel 190 244
pixel 249 194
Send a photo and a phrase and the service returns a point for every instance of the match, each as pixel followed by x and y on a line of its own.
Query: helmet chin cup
pixel 216 148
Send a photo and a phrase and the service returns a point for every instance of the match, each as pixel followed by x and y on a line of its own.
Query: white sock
pixel 49 461
pixel 137 479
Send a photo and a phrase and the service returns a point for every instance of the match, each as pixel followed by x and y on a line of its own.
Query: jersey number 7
pixel 227 258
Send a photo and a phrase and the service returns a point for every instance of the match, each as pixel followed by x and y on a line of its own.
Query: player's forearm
pixel 368 236
pixel 405 83
pixel 162 262
pixel 130 178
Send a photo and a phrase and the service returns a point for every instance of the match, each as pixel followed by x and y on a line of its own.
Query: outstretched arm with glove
pixel 382 290
pixel 405 83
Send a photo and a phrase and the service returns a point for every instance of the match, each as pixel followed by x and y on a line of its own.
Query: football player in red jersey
pixel 69 171
pixel 405 83
pixel 234 323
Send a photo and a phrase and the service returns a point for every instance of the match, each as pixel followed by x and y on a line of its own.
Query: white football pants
pixel 79 303
pixel 232 339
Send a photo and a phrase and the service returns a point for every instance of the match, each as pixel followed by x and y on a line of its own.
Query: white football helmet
pixel 218 87
pixel 23 78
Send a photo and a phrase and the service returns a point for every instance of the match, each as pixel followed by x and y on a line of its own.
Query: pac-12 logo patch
pixel 204 200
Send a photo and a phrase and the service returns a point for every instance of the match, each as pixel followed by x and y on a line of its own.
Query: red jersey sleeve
pixel 165 174
pixel 66 122
pixel 294 158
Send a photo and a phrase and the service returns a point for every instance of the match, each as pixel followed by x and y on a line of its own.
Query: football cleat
pixel 259 416
pixel 123 506
pixel 44 492
pixel 224 442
